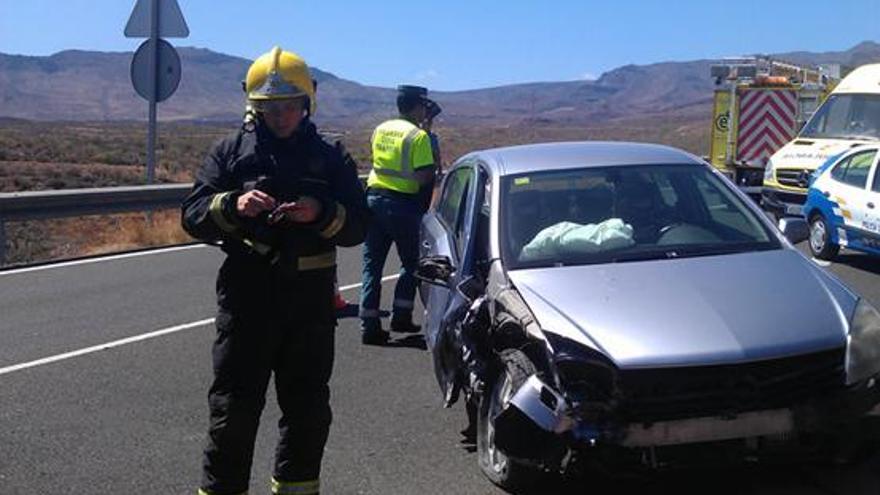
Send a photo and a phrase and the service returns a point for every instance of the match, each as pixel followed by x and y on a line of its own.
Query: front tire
pixel 820 239
pixel 497 466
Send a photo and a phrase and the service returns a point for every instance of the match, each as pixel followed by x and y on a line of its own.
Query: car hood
pixel 810 153
pixel 693 311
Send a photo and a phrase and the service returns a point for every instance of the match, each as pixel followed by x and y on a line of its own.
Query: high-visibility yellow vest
pixel 399 149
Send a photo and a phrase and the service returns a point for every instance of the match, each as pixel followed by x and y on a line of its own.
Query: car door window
pixel 452 200
pixel 854 169
pixel 460 222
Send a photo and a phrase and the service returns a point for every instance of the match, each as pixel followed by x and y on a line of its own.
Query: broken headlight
pixel 863 344
pixel 585 375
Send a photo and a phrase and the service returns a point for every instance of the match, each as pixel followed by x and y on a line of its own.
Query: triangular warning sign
pixel 169 18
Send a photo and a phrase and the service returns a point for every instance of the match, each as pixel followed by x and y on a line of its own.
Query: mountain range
pixel 95 86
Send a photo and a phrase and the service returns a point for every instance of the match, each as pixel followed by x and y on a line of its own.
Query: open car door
pixel 449 231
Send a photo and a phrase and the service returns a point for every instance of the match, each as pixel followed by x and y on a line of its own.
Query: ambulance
pixel 849 117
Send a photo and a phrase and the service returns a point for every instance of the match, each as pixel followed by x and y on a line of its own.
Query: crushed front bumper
pixel 538 420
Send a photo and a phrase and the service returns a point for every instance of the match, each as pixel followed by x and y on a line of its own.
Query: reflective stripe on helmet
pixel 275 87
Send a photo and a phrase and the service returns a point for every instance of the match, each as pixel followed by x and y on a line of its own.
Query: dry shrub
pixel 46 240
pixel 132 231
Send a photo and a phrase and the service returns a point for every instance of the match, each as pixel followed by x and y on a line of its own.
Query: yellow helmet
pixel 279 75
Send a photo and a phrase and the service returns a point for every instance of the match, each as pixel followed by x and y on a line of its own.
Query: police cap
pixel 415 92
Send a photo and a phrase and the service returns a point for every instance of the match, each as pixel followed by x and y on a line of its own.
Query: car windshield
pixel 846 116
pixel 618 214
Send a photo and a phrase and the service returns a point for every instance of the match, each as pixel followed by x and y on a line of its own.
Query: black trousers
pixel 268 324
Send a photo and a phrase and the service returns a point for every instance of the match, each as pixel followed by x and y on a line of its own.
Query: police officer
pixel 401 179
pixel 280 199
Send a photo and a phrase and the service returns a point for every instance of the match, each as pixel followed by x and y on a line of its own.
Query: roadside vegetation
pixel 69 155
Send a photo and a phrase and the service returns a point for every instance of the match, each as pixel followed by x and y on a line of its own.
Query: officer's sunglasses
pixel 276 107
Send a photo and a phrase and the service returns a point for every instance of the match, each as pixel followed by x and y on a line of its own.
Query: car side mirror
pixel 435 270
pixel 794 229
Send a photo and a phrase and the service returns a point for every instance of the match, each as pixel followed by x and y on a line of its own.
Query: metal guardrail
pixel 35 205
pixel 38 205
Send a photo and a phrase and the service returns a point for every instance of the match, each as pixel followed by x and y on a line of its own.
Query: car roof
pixel 513 160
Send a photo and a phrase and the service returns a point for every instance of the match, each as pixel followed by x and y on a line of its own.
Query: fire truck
pixel 760 104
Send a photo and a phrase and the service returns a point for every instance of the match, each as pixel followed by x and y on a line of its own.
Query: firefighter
pixel 279 199
pixel 402 176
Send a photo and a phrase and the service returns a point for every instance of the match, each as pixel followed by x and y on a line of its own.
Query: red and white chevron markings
pixel 766 122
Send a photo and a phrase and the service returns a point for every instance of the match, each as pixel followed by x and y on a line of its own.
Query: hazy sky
pixel 452 45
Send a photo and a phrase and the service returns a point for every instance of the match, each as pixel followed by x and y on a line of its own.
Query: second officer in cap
pixel 402 176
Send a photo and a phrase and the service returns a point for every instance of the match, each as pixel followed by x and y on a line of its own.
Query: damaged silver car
pixel 622 303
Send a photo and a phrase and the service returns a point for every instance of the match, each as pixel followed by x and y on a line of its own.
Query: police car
pixel 843 204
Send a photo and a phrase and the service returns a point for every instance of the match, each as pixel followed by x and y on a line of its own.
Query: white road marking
pixel 101 347
pixel 136 338
pixel 355 286
pixel 101 258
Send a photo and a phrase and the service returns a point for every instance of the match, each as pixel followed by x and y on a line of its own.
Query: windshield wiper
pixel 686 252
pixel 719 250
pixel 645 256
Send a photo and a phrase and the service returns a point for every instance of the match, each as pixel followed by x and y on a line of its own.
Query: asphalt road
pixel 105 365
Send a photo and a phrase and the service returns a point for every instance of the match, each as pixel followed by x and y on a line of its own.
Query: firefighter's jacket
pixel 303 165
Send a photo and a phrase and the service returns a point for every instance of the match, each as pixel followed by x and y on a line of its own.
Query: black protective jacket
pixel 302 165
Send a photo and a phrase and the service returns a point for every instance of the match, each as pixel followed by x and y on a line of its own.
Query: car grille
pixel 793 177
pixel 673 393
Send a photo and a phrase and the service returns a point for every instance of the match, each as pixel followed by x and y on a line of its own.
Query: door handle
pixel 426 245
pixel 870 204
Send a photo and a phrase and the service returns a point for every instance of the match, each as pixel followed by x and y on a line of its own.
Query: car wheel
pixel 820 235
pixel 498 467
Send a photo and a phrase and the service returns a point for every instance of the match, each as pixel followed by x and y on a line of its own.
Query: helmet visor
pixel 276 107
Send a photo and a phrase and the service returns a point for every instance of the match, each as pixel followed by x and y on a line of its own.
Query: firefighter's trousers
pixel 270 323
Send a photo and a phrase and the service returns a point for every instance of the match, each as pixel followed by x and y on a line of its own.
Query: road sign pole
pixel 154 62
pixel 155 69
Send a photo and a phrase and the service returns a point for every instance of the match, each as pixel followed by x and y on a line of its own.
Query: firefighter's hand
pixel 304 210
pixel 252 203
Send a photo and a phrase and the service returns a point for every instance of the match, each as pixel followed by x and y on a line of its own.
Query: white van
pixel 850 116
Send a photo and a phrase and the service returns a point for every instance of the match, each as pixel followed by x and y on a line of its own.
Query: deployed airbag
pixel 568 237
